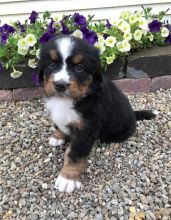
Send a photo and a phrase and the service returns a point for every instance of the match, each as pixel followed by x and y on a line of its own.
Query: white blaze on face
pixel 65 46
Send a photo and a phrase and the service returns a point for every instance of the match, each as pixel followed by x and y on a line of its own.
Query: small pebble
pixel 121 178
pixel 44 185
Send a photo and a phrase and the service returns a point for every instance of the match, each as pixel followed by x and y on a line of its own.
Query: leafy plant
pixel 115 38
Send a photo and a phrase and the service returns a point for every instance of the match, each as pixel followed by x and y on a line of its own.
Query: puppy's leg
pixel 57 139
pixel 69 177
pixel 75 162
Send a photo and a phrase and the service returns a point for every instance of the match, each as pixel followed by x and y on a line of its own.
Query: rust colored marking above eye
pixel 77 59
pixel 53 55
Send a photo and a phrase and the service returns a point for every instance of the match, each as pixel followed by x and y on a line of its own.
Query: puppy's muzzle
pixel 61 86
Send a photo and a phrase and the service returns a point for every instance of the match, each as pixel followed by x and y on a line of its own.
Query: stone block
pixel 6 95
pixel 152 62
pixel 163 82
pixel 133 85
pixel 27 94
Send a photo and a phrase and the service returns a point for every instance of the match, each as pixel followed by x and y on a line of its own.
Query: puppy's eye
pixel 51 64
pixel 79 68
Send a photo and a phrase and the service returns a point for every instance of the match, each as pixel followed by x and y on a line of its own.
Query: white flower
pixel 22 52
pixel 126 45
pixel 125 14
pixel 151 37
pixel 101 38
pixel 78 34
pixel 22 44
pixel 100 46
pixel 110 41
pixel 164 32
pixel 145 32
pixel 30 40
pixel 127 36
pixel 123 46
pixel 32 63
pixel 57 25
pixel 143 24
pixel 15 74
pixel 132 19
pixel 138 15
pixel 137 35
pixel 33 52
pixel 57 18
pixel 115 21
pixel 110 59
pixel 124 26
pixel 38 54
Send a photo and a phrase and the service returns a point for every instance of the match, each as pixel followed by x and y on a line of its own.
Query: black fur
pixel 106 111
pixel 144 114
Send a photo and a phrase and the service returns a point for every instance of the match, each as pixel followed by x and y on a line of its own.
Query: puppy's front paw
pixel 67 185
pixel 56 142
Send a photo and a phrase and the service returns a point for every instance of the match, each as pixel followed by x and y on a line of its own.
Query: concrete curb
pixel 126 85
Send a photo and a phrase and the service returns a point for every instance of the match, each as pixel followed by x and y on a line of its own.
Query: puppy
pixel 83 104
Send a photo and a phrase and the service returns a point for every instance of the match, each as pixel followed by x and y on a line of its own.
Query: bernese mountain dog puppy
pixel 83 104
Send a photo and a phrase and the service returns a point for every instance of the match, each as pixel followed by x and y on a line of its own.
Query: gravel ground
pixel 124 181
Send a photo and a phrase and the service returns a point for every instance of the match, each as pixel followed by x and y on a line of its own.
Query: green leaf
pixel 46 15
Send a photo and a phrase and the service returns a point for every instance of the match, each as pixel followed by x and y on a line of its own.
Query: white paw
pixel 66 185
pixel 55 142
pixel 155 112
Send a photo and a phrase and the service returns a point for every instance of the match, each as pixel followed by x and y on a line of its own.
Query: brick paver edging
pixel 126 85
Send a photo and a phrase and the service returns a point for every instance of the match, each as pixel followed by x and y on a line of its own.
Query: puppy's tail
pixel 146 114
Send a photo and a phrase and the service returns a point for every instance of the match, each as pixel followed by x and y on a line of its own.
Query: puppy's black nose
pixel 61 85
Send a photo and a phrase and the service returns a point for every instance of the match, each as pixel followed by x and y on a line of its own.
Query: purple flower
pixel 45 37
pixel 21 26
pixel 168 39
pixel 33 17
pixel 1 67
pixel 65 30
pixel 7 29
pixel 108 24
pixel 89 35
pixel 51 29
pixel 79 19
pixel 4 37
pixel 35 78
pixel 154 26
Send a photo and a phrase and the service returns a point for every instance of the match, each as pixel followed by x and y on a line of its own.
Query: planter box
pixel 116 70
pixel 24 81
pixel 150 63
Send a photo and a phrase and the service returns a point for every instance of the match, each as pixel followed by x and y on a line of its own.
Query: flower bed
pixel 115 39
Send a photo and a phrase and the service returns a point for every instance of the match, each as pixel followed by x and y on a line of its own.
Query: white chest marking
pixel 62 112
